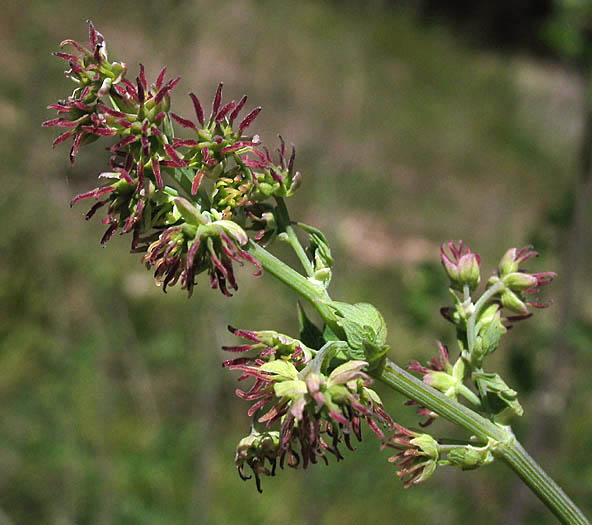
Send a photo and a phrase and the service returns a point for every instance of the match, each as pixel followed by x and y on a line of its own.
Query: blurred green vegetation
pixel 114 408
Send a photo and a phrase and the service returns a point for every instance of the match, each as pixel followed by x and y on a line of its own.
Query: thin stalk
pixel 488 294
pixel 507 448
pixel 286 225
pixel 316 295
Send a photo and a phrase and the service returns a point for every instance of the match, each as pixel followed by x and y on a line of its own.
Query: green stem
pixel 507 447
pixel 542 485
pixel 471 335
pixel 469 395
pixel 286 226
pixel 316 295
pixel 488 294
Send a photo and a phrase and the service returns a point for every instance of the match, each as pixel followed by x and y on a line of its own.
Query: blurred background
pixel 415 122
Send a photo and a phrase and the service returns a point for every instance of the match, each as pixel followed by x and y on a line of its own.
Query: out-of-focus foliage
pixel 569 31
pixel 114 406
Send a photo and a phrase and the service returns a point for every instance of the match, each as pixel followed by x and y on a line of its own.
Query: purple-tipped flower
pixel 259 451
pixel 136 117
pixel 95 77
pixel 418 455
pixel 461 265
pixel 267 345
pixel 316 412
pixel 441 375
pixel 200 244
pixel 518 284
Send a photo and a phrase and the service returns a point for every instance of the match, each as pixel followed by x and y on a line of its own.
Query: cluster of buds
pixel 518 285
pixel 316 410
pixel 480 324
pixel 150 169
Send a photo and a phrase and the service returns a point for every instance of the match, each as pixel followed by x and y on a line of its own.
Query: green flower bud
pixel 470 457
pixel 440 380
pixel 512 302
pixel 520 281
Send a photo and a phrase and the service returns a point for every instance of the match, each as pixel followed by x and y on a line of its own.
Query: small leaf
pixel 310 334
pixel 281 369
pixel 189 212
pixel 291 388
pixel 499 394
pixel 329 334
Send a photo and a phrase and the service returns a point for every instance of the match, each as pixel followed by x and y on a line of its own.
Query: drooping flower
pixel 316 411
pixel 439 374
pixel 418 455
pixel 257 451
pixel 267 345
pixel 200 244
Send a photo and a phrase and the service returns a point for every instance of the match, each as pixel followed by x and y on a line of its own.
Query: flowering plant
pixel 204 203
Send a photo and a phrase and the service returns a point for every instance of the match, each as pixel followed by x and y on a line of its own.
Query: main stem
pixel 508 448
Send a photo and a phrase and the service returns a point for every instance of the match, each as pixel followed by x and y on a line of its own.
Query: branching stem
pixel 507 448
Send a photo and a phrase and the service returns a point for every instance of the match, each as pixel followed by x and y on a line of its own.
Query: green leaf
pixel 365 331
pixel 329 334
pixel 291 388
pixel 282 370
pixel 310 334
pixel 499 395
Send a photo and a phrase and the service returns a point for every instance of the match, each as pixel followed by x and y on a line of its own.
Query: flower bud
pixel 440 380
pixel 520 281
pixel 512 302
pixel 461 265
pixel 470 457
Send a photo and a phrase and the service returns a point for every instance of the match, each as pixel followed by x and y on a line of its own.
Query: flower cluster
pixel 225 174
pixel 200 244
pixel 480 324
pixel 316 410
pixel 518 284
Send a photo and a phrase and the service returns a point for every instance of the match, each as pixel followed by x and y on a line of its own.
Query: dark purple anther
pixel 224 111
pixel 141 94
pixel 160 78
pixel 248 120
pixel 198 108
pixel 156 171
pixel 183 121
pixel 237 109
pixel 217 100
pixel 291 161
